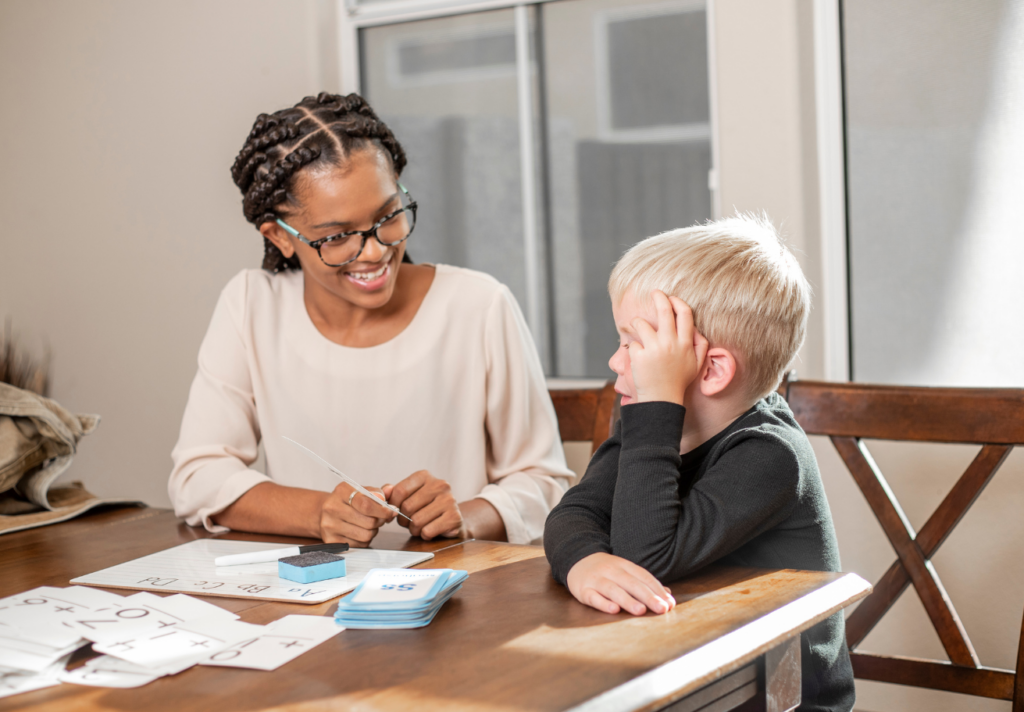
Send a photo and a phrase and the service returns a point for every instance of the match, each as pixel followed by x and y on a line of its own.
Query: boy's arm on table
pixel 579 525
pixel 751 488
pixel 577 542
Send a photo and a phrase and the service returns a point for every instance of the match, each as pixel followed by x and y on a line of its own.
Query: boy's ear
pixel 718 371
pixel 274 233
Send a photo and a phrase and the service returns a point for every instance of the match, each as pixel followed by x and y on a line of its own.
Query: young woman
pixel 421 380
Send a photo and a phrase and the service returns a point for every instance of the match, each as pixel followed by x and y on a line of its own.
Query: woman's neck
pixel 347 324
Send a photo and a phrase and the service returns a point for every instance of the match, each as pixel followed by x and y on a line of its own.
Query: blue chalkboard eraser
pixel 311 567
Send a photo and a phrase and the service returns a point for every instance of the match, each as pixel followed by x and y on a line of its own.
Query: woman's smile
pixel 371 278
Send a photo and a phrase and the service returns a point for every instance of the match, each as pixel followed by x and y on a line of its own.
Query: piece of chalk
pixel 311 567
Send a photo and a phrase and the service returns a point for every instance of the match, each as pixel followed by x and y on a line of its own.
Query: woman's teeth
pixel 368 276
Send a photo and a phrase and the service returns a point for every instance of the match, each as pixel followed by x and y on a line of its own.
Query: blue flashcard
pixel 405 588
pixel 399 598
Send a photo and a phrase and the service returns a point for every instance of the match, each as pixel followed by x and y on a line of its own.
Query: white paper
pixel 189 568
pixel 14 682
pixel 397 586
pixel 141 613
pixel 43 612
pixel 108 671
pixel 191 640
pixel 281 641
pixel 20 652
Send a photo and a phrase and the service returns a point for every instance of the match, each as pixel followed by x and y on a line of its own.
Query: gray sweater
pixel 750 496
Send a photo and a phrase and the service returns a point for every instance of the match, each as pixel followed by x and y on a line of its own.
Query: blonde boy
pixel 707 463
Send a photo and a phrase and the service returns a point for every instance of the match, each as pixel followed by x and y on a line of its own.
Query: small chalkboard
pixel 189 568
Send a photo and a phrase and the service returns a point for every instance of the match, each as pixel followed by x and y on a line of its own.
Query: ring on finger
pixel 351 497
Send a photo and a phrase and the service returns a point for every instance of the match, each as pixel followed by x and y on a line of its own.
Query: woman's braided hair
pixel 324 129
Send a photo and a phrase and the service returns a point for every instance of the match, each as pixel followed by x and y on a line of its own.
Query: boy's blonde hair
pixel 746 289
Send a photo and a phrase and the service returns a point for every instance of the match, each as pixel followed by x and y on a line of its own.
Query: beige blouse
pixel 460 392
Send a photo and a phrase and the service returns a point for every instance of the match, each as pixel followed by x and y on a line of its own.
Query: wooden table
pixel 511 639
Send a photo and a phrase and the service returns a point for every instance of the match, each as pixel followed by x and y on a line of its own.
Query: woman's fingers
pixel 408 487
pixel 344 518
pixel 366 507
pixel 428 501
pixel 439 518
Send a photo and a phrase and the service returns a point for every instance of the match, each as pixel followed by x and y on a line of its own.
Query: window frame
pixel 353 17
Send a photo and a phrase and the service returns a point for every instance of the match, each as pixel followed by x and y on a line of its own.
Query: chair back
pixel 586 414
pixel 990 417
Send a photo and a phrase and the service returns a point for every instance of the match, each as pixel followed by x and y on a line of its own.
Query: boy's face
pixel 625 312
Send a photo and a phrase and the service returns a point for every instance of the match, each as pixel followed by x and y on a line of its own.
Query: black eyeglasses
pixel 392 229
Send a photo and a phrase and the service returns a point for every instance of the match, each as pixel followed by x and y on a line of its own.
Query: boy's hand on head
pixel 665 362
pixel 612 584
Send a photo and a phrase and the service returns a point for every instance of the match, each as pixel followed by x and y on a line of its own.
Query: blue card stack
pixel 399 598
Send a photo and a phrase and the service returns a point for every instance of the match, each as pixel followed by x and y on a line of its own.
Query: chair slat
pixel 930 589
pixel 985 682
pixel 585 413
pixel 954 415
pixel 929 539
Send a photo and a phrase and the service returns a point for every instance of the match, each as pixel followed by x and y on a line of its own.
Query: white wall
pixel 121 224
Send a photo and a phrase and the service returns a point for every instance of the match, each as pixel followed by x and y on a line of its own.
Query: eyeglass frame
pixel 365 234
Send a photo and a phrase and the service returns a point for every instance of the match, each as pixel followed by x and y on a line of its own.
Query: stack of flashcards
pixel 399 598
pixel 141 637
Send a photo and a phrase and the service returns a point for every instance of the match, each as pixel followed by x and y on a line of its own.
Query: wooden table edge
pixel 688 673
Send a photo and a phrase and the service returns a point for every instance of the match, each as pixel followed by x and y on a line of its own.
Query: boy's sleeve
pixel 749 489
pixel 580 524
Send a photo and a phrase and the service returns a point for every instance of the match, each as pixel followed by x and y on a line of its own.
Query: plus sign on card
pixel 280 642
pixel 193 640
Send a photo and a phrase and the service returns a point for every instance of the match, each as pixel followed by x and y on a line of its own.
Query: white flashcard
pixel 20 652
pixel 14 682
pixel 43 611
pixel 106 671
pixel 143 612
pixel 191 640
pixel 281 641
pixel 398 586
pixel 181 605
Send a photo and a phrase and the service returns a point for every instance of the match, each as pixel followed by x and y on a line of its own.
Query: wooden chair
pixel 586 413
pixel 992 418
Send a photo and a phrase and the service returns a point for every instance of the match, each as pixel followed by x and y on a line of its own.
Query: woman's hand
pixel 347 516
pixel 429 502
pixel 611 583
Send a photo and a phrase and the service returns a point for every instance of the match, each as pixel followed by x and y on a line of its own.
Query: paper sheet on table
pixel 108 671
pixel 41 613
pixel 141 612
pixel 192 641
pixel 14 682
pixel 189 568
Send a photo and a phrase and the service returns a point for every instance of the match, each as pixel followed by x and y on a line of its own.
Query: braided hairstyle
pixel 320 130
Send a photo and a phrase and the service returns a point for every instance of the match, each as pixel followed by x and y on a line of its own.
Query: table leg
pixel 782 676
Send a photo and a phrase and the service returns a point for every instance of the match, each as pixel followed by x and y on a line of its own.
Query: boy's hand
pixel 665 362
pixel 611 583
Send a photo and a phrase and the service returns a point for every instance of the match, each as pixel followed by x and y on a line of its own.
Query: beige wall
pixel 121 224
